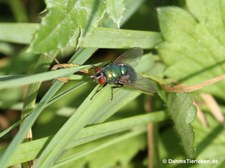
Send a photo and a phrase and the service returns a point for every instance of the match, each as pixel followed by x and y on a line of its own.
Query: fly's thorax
pixel 114 72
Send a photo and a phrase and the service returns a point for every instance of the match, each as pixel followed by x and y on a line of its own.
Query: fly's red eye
pixel 102 80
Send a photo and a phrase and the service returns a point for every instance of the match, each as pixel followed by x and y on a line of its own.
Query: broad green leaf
pixel 211 15
pixel 209 143
pixel 55 3
pixel 169 147
pixel 183 113
pixel 192 48
pixel 65 25
pixel 115 9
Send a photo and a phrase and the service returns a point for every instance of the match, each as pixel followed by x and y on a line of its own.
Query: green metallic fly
pixel 120 72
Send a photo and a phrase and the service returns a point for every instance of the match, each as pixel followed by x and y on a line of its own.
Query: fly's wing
pixel 131 57
pixel 140 83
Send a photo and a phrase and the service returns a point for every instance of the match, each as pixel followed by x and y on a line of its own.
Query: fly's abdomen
pixel 113 73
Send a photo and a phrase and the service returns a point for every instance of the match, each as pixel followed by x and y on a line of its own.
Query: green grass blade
pixel 28 122
pixel 21 33
pixel 103 144
pixel 7 130
pixel 31 149
pixel 26 125
pixel 19 10
pixel 55 98
pixel 100 38
pixel 81 58
pixel 20 81
pixel 64 93
pixel 84 113
pixel 114 38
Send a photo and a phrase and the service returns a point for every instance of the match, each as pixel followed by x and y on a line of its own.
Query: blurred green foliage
pixel 182 41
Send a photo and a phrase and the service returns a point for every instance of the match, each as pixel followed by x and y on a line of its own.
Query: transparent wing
pixel 140 83
pixel 131 57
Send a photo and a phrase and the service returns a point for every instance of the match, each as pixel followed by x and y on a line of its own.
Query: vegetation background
pixel 183 41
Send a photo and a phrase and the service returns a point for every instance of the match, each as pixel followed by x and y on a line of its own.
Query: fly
pixel 121 73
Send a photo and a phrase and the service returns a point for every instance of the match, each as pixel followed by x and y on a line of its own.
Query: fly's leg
pixel 99 88
pixel 117 85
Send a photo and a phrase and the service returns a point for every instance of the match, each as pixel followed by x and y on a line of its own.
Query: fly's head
pixel 99 77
